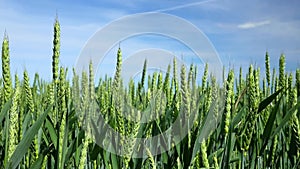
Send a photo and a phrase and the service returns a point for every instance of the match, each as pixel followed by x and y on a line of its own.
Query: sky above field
pixel 240 31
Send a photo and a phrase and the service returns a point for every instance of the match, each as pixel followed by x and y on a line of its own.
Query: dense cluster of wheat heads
pixel 43 124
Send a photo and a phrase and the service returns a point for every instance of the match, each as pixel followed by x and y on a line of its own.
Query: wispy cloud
pixel 185 6
pixel 250 25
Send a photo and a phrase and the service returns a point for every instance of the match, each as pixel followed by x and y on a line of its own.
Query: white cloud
pixel 249 25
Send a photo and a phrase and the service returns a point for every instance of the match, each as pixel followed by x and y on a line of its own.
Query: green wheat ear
pixel 290 89
pixel 175 74
pixel 62 116
pixel 13 123
pixel 273 80
pixel 204 154
pixel 144 73
pixel 7 84
pixel 216 164
pixel 267 64
pixel 151 158
pixel 184 91
pixel 282 71
pixel 84 151
pixel 92 94
pixel 204 78
pixel 298 82
pixel 117 78
pixel 185 98
pixel 166 85
pixel 190 77
pixel 76 94
pixel 91 82
pixel 29 98
pixel 56 51
pixel 240 81
pixel 160 81
pixel 228 101
pixel 84 92
pixel 153 82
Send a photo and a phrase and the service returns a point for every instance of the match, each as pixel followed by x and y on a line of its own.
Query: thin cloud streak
pixel 250 25
pixel 184 6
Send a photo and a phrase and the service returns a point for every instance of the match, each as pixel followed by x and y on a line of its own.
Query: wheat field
pixel 42 124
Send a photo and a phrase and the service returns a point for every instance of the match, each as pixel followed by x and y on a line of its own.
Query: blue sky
pixel 241 31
